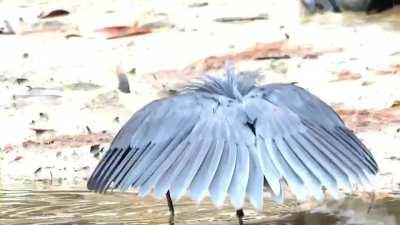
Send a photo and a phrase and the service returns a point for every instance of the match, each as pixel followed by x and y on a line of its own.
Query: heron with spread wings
pixel 227 137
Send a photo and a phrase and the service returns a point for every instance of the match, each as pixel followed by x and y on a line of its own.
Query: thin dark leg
pixel 170 205
pixel 171 209
pixel 240 215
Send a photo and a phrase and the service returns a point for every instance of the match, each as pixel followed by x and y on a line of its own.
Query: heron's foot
pixel 171 219
pixel 240 215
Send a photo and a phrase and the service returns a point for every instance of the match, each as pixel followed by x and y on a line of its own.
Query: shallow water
pixel 22 206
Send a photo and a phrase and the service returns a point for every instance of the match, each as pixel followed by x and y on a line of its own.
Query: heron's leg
pixel 171 209
pixel 170 205
pixel 240 215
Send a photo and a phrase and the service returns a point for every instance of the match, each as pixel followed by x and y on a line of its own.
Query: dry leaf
pixel 17 158
pixel 347 75
pixel 53 13
pixel 30 143
pixel 241 19
pixel 40 131
pixel 122 31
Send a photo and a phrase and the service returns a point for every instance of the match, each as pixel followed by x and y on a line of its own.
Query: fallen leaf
pixel 17 158
pixel 273 57
pixel 30 143
pixel 241 19
pixel 53 13
pixel 68 36
pixel 20 80
pixel 82 86
pixel 367 83
pixel 122 31
pixel 392 70
pixel 198 4
pixel 40 131
pixel 385 72
pixel 346 75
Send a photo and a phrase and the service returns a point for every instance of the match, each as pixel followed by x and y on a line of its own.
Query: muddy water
pixel 46 206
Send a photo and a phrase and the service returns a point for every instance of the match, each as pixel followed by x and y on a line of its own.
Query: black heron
pixel 228 137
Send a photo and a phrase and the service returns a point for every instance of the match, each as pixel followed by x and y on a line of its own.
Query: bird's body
pixel 228 137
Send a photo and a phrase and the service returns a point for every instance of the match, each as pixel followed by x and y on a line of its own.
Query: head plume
pixel 231 84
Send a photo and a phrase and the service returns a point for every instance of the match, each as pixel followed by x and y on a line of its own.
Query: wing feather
pixel 316 163
pixel 313 143
pixel 358 149
pixel 163 181
pixel 123 167
pixel 287 172
pixel 337 147
pixel 199 148
pixel 223 176
pixel 364 152
pixel 303 170
pixel 204 176
pixel 153 173
pixel 107 171
pixel 255 184
pixel 99 168
pixel 269 169
pixel 238 185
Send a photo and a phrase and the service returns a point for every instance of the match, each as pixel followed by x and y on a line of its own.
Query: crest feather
pixel 231 84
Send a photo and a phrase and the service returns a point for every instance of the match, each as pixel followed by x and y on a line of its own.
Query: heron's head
pixel 232 84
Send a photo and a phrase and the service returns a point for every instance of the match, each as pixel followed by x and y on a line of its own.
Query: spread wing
pixel 194 142
pixel 207 142
pixel 302 140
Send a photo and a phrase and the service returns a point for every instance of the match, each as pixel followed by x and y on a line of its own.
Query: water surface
pixel 27 206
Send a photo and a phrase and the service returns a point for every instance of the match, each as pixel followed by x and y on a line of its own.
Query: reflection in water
pixel 81 207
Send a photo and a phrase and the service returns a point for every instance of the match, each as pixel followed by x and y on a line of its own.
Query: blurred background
pixel 72 72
